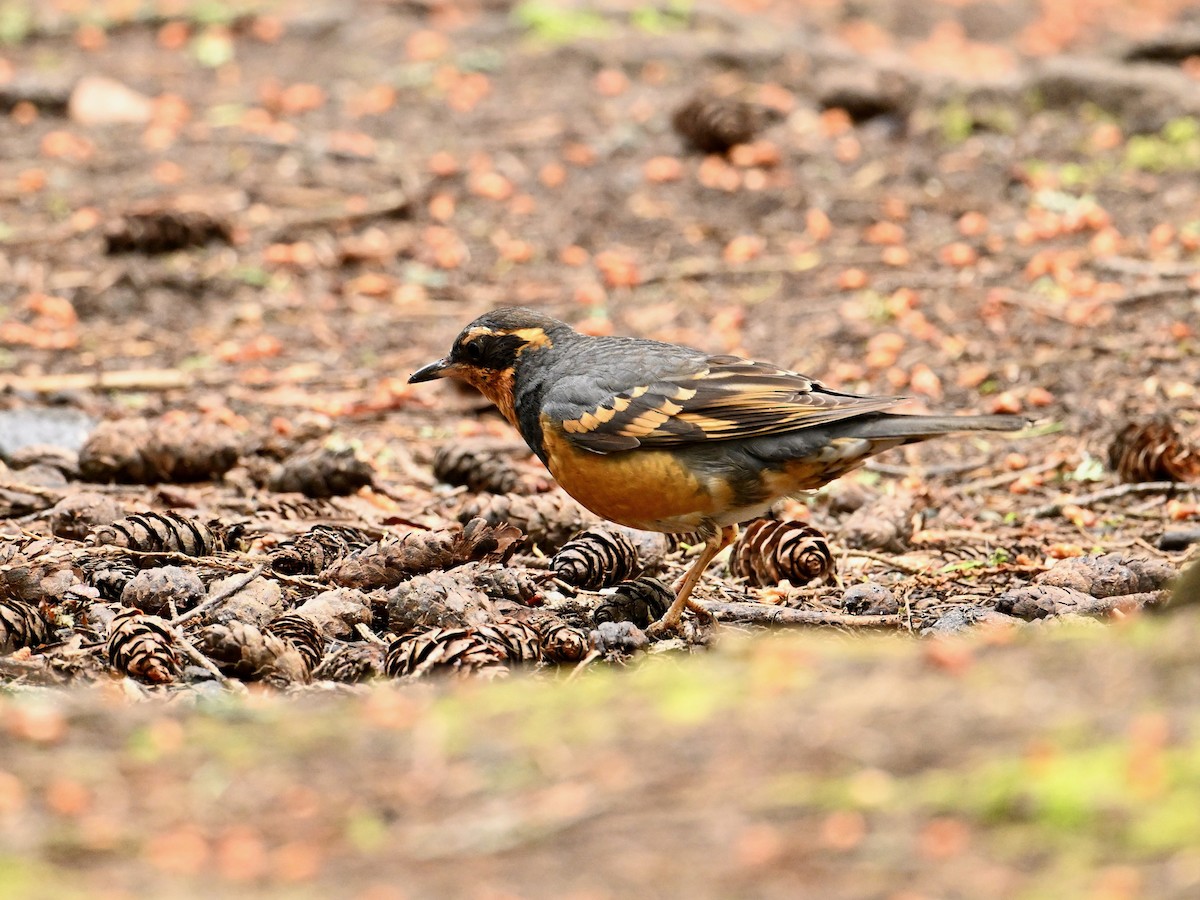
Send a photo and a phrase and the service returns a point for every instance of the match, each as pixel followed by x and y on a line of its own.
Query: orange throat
pixel 496 386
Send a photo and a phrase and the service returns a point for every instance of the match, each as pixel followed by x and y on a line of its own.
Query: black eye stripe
pixel 491 351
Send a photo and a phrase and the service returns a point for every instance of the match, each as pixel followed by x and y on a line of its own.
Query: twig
pixel 907 568
pixel 1125 265
pixel 933 471
pixel 986 484
pixel 1112 493
pixel 933 536
pixel 365 632
pixel 699 267
pixel 220 596
pixel 746 612
pixel 33 490
pixel 592 656
pixel 387 204
pixel 205 663
pixel 130 380
pixel 1155 292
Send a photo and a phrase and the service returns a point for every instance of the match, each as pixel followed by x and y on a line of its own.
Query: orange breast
pixel 646 489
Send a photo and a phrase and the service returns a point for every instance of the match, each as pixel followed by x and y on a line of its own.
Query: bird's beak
pixel 438 369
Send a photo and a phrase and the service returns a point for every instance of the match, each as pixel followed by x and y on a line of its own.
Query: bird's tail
pixel 916 427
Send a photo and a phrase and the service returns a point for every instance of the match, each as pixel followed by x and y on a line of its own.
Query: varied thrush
pixel 662 437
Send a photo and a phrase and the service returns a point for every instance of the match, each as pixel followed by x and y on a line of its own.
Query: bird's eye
pixel 473 352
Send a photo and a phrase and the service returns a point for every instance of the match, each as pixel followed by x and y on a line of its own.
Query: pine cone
pixel 21 625
pixel 640 601
pixel 596 558
pixel 255 603
pixel 439 599
pixel 109 575
pixel 869 599
pixel 37 572
pixel 482 467
pixel 244 651
pixel 768 552
pixel 317 549
pixel 304 635
pixel 351 663
pixel 153 532
pixel 713 124
pixel 548 520
pixel 1153 451
pixel 143 647
pixel 337 612
pixel 388 562
pixel 76 515
pixel 618 639
pixel 322 473
pixel 463 649
pixel 560 642
pixel 164 231
pixel 883 524
pixel 140 451
pixel 522 643
pixel 152 590
pixel 62 459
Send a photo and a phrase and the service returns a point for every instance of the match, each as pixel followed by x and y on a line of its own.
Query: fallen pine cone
pixel 244 651
pixel 336 612
pixel 885 523
pixel 1109 575
pixel 869 599
pixel 140 451
pixel 768 552
pixel 1153 451
pixel 484 467
pixel 617 639
pixel 439 599
pixel 317 549
pixel 561 643
pixel 640 601
pixel 164 231
pixel 143 647
pixel 21 625
pixel 37 571
pixel 461 649
pixel 153 532
pixel 522 643
pixel 471 594
pixel 547 520
pixel 388 562
pixel 321 473
pixel 76 515
pixel 255 603
pixel 154 590
pixel 596 558
pixel 303 634
pixel 712 124
pixel 109 575
pixel 351 663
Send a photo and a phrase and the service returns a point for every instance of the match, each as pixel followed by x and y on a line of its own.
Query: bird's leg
pixel 683 590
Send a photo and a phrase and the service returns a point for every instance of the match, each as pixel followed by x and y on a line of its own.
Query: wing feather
pixel 718 398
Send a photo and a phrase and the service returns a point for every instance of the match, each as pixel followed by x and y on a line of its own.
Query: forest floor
pixel 985 207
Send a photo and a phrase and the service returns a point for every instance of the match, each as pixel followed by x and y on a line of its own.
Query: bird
pixel 662 437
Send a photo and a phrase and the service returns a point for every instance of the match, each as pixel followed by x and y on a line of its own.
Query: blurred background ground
pixel 981 205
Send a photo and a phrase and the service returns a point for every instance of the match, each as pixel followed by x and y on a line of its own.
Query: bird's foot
pixel 703 616
pixel 666 627
pixel 671 624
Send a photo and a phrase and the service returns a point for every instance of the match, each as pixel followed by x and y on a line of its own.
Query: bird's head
pixel 487 353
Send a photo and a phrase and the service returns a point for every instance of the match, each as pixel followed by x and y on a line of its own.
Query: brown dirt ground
pixel 1005 237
